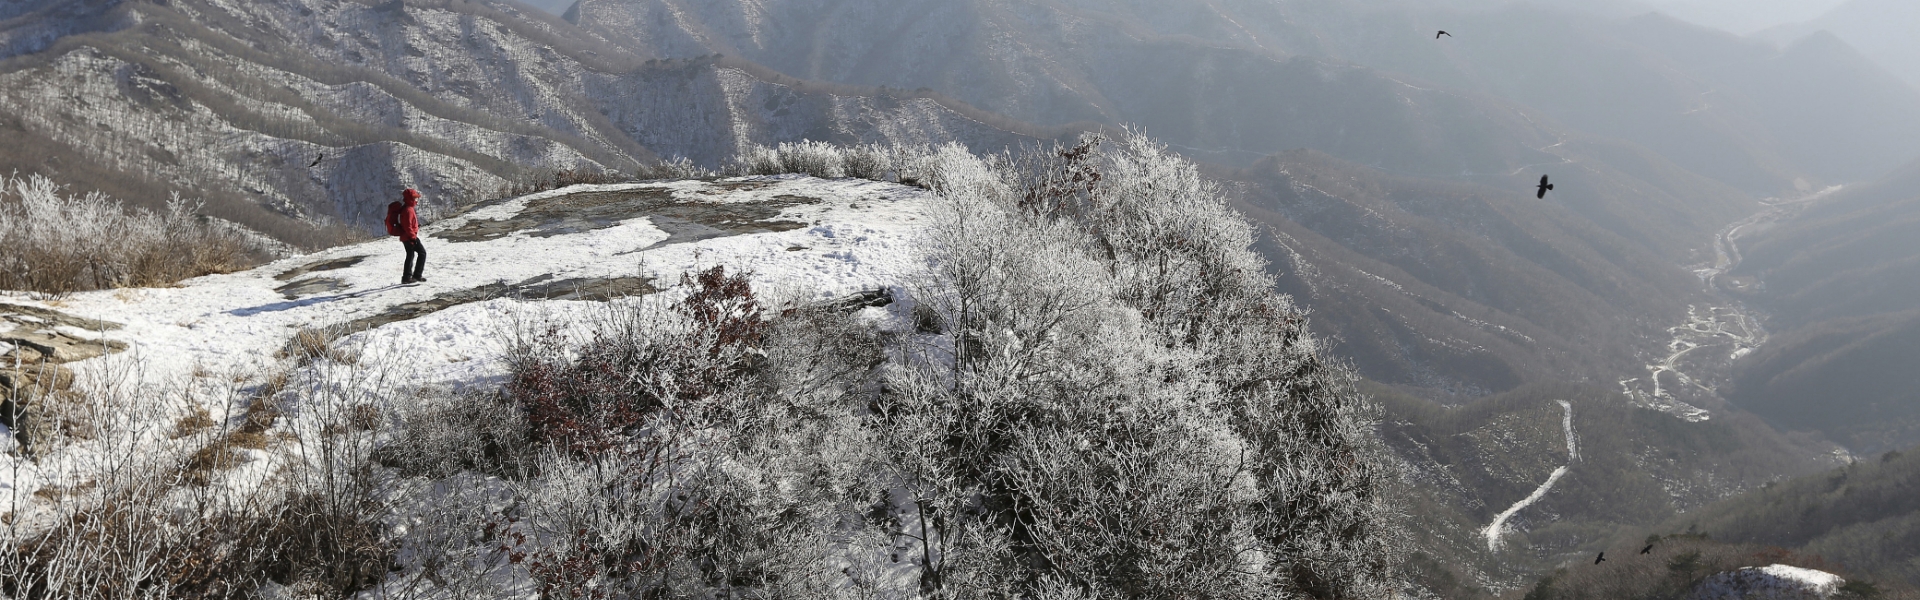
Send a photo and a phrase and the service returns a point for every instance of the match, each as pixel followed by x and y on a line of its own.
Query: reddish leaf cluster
pixel 596 402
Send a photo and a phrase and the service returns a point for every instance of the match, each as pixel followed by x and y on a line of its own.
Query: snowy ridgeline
pixel 1048 375
pixel 838 237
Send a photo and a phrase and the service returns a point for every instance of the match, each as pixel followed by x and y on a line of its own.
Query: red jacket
pixel 401 220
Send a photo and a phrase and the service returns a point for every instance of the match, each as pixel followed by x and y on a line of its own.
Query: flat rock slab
pixel 311 286
pixel 686 220
pixel 34 316
pixel 544 287
pixel 35 335
pixel 325 265
pixel 59 347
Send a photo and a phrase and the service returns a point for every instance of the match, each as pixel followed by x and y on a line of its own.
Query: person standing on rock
pixel 402 221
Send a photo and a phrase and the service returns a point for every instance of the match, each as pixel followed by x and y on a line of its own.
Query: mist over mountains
pixel 1877 27
pixel 1721 286
pixel 1232 81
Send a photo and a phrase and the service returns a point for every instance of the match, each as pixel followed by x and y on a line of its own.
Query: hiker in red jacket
pixel 403 222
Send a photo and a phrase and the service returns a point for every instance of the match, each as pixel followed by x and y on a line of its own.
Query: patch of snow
pixel 1566 422
pixel 1499 525
pixel 1771 582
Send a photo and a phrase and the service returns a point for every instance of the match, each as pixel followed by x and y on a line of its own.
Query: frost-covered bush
pixel 679 167
pixel 712 447
pixel 1119 403
pixel 904 163
pixel 439 435
pixel 58 243
pixel 868 161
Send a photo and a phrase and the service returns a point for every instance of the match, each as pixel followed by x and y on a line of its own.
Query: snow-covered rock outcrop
pixel 550 256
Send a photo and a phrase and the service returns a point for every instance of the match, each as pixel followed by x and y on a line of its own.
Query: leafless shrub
pixel 58 244
pixel 552 180
pixel 1095 394
pixel 440 435
pixel 146 505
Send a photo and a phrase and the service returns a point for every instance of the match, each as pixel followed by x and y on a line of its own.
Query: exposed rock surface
pixel 565 249
pixel 36 343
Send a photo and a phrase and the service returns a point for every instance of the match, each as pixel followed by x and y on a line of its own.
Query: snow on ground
pixel 1771 582
pixel 830 238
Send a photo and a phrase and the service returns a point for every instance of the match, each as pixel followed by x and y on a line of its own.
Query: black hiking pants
pixel 416 261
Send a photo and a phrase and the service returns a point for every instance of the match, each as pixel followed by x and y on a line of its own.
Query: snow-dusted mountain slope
pixel 318 110
pixel 545 257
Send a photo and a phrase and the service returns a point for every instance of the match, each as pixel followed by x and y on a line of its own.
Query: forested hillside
pixel 290 114
pixel 1839 279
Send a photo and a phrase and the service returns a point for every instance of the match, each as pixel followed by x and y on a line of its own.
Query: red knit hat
pixel 410 194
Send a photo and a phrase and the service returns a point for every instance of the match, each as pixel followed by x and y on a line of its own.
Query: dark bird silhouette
pixel 1647 549
pixel 1442 32
pixel 1600 559
pixel 316 161
pixel 1544 186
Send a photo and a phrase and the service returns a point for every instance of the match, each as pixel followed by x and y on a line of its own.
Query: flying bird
pixel 1442 32
pixel 316 161
pixel 1544 186
pixel 1600 559
pixel 1647 549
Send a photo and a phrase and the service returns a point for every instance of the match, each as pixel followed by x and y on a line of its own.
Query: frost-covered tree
pixel 1118 404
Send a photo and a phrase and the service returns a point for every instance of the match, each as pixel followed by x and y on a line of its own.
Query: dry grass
pixel 312 343
pixel 196 421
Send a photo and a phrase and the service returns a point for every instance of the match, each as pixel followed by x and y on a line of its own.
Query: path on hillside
pixel 1499 525
pixel 1690 359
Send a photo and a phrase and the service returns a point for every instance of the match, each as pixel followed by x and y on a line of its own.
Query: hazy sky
pixel 1744 16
